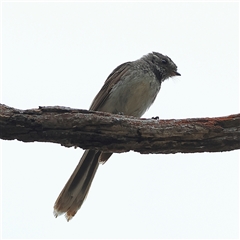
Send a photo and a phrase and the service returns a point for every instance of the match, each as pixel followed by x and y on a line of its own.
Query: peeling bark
pixel 117 133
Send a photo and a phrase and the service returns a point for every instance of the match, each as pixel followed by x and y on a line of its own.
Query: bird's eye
pixel 164 61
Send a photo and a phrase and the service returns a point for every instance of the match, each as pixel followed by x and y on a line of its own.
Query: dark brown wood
pixel 117 133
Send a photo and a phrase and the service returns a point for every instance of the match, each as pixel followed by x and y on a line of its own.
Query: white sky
pixel 60 54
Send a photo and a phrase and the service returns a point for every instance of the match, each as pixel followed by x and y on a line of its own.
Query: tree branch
pixel 117 133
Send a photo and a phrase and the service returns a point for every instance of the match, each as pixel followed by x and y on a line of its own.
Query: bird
pixel 130 89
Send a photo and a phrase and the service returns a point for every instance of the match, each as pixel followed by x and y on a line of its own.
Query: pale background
pixel 60 54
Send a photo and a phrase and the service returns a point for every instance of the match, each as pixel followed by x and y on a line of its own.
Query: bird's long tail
pixel 75 191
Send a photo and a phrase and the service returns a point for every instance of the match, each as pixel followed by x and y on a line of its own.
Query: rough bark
pixel 117 133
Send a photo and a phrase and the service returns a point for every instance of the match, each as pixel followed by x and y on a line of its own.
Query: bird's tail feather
pixel 75 191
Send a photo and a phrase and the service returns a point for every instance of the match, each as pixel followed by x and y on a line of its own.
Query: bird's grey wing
pixel 112 79
pixel 103 94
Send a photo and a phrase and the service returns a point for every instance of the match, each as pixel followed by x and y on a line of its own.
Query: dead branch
pixel 116 133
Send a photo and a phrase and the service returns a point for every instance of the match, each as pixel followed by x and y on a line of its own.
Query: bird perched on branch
pixel 130 89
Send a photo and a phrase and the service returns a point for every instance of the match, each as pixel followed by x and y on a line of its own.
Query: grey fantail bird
pixel 130 89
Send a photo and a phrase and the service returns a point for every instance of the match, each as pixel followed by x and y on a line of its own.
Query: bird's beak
pixel 175 73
